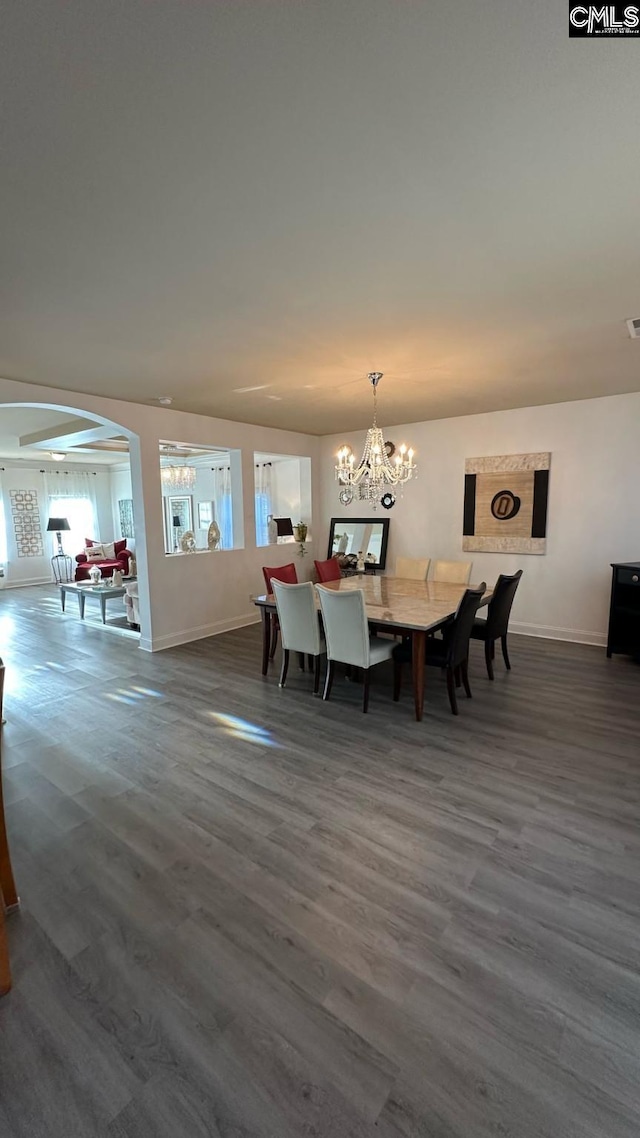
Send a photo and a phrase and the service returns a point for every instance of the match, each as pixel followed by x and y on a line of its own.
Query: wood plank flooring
pixel 249 914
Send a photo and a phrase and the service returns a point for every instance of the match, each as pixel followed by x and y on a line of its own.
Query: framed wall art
pixel 505 503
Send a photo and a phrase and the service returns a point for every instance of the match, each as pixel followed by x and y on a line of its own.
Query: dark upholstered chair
pixel 497 622
pixel 450 653
pixel 328 570
pixel 288 575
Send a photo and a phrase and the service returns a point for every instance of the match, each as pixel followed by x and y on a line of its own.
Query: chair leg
pixel 464 668
pixel 365 689
pixel 301 661
pixel 328 682
pixel 285 667
pixel 451 688
pixel 503 641
pixel 488 656
pixel 310 661
pixel 397 680
pixel 316 677
pixel 274 638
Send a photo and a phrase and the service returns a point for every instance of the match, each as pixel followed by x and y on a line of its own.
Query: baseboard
pixel 548 632
pixel 159 643
pixel 7 584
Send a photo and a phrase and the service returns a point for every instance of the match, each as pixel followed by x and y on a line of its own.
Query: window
pixel 264 501
pixel 80 515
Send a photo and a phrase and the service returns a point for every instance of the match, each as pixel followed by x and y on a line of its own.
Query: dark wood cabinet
pixel 624 614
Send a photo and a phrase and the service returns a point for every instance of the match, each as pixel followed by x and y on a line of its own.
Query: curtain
pixel 264 502
pixel 72 495
pixel 223 504
pixel 3 528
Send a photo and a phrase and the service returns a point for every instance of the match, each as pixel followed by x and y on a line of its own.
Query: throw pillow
pixel 109 550
pixel 95 552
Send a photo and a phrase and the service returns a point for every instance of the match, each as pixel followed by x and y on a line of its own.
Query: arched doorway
pixel 90 424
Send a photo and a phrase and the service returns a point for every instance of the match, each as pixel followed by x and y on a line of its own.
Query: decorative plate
pixel 188 542
pixel 213 536
pixel 389 448
pixel 388 500
pixel 346 496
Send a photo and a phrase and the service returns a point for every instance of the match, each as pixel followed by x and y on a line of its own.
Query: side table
pixel 62 566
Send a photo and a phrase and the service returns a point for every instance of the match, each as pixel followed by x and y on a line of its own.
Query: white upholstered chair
pixel 453 572
pixel 412 568
pixel 299 625
pixel 347 634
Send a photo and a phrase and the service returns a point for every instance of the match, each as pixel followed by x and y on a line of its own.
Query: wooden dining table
pixel 412 608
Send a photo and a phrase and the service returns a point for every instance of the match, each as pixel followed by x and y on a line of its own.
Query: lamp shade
pixel 284 526
pixel 176 520
pixel 55 525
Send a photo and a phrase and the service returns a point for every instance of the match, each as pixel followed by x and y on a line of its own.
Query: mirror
pixel 351 535
pixel 178 519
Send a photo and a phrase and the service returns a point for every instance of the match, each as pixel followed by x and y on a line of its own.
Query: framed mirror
pixel 352 535
pixel 178 519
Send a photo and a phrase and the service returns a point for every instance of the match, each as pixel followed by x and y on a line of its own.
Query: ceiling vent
pixel 634 328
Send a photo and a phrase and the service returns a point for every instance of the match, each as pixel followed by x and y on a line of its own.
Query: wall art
pixel 505 503
pixel 26 523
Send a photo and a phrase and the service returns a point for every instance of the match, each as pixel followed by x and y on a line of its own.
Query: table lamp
pixel 284 527
pixel 57 525
pixel 176 526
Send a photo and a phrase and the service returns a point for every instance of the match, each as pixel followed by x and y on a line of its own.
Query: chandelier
pixel 179 479
pixel 376 471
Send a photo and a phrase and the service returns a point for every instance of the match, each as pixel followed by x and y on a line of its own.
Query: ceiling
pixel 58 432
pixel 203 198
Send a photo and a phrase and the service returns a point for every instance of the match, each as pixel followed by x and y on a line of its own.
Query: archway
pixel 133 441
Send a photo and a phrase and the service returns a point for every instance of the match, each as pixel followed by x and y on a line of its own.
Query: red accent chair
pixel 121 562
pixel 328 570
pixel 288 575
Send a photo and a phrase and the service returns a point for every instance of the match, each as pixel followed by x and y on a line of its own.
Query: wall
pixel 183 598
pixel 27 475
pixel 594 504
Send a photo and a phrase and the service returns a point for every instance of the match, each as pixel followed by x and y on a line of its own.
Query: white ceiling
pixel 201 197
pixel 18 422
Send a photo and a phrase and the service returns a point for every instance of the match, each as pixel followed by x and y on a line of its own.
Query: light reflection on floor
pixel 133 694
pixel 242 729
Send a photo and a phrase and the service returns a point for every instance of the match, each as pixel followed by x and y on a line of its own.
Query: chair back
pixel 453 572
pixel 298 617
pixel 500 605
pixel 346 628
pixel 458 633
pixel 412 568
pixel 286 573
pixel 328 570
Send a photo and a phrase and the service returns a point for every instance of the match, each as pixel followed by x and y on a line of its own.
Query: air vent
pixel 634 328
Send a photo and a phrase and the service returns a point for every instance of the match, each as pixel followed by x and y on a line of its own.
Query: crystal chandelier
pixel 178 479
pixel 376 471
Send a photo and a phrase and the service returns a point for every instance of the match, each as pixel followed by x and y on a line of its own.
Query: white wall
pixel 594 504
pixel 27 476
pixel 183 598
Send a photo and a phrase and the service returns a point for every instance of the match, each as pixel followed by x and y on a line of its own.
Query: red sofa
pixel 123 556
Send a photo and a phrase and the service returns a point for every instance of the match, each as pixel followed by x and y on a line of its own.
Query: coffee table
pixel 102 592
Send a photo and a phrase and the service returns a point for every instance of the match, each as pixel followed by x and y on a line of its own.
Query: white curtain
pixel 3 528
pixel 264 501
pixel 223 505
pixel 72 496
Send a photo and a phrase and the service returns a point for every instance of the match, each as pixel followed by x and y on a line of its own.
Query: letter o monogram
pixel 505 505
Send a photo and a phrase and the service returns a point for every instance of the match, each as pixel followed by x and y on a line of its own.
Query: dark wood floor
pixel 247 913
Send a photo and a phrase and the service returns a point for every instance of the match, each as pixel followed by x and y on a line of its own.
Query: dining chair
pixel 412 568
pixel 8 894
pixel 299 626
pixel 346 630
pixel 496 625
pixel 328 570
pixel 453 572
pixel 289 575
pixel 451 652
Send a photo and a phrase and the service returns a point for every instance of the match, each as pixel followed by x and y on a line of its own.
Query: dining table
pixel 415 609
